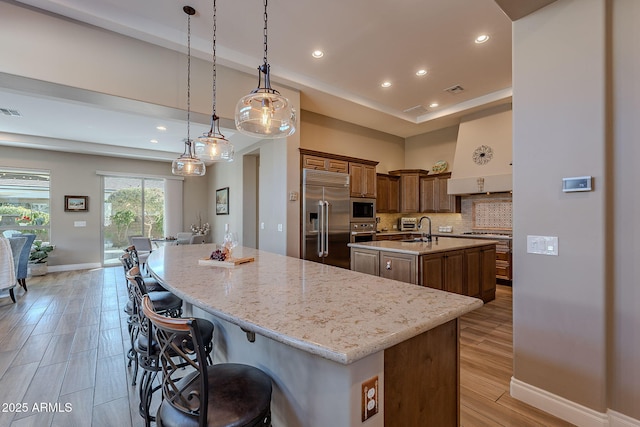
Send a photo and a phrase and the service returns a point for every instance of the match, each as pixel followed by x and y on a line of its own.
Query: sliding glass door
pixel 132 207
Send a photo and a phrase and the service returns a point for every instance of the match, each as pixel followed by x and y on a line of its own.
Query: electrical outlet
pixel 370 401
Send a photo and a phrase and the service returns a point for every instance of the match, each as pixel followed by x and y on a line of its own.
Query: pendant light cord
pixel 214 117
pixel 189 83
pixel 265 32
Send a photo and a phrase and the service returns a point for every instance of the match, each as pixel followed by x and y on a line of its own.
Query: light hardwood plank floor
pixel 63 357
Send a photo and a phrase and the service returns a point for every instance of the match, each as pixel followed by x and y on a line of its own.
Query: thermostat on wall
pixel 576 183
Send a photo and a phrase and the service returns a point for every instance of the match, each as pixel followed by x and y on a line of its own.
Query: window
pixel 24 202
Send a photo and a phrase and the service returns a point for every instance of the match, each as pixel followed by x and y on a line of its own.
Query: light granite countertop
pixel 331 312
pixel 442 244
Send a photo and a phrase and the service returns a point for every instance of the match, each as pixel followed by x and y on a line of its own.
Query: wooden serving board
pixel 231 262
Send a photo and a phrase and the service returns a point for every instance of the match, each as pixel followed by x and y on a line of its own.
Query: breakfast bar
pixel 342 347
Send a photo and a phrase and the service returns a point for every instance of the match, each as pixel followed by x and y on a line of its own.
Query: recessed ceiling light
pixel 386 84
pixel 317 54
pixel 153 141
pixel 421 73
pixel 482 38
pixel 161 128
pixel 433 105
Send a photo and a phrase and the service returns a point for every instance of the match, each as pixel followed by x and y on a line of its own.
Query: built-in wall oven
pixel 362 210
pixel 362 232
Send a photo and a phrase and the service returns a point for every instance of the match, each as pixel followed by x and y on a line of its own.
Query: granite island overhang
pixel 317 326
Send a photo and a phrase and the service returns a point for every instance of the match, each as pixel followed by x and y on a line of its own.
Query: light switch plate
pixel 79 223
pixel 543 245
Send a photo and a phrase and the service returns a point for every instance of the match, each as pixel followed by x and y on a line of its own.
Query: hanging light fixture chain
pixel 189 81
pixel 214 62
pixel 265 32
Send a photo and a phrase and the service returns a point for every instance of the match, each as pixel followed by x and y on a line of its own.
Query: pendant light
pixel 264 113
pixel 213 146
pixel 188 164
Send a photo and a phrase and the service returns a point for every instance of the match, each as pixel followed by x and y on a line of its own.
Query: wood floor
pixel 63 363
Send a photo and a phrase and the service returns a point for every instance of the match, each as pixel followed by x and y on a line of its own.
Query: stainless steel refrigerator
pixel 325 216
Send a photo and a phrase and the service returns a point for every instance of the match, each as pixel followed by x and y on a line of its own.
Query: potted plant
pixel 38 257
pixel 23 220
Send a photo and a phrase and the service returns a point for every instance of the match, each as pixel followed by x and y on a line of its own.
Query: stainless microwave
pixel 362 210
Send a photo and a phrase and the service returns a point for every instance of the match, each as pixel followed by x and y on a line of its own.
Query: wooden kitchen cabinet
pixel 365 261
pixel 387 193
pixel 444 271
pixel 409 188
pixel 434 197
pixel 402 267
pixel 363 180
pixel 480 269
pixel 322 163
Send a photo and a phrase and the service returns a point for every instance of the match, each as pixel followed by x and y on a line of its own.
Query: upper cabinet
pixel 421 192
pixel 434 196
pixel 363 180
pixel 325 164
pixel 388 193
pixel 409 188
pixel 362 172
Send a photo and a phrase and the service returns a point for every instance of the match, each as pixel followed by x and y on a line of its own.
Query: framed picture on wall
pixel 76 203
pixel 222 201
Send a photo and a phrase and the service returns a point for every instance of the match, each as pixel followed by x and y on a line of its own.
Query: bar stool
pixel 146 348
pixel 133 260
pixel 221 395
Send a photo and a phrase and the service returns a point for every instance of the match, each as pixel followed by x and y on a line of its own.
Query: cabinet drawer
pixel 504 256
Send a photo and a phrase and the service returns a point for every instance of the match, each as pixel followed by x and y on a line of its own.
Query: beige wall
pixel 423 151
pixel 75 174
pixel 322 133
pixel 576 315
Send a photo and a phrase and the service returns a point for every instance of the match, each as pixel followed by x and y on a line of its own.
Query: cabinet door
pixel 356 176
pixel 368 181
pixel 400 267
pixel 313 162
pixel 365 261
pixel 428 195
pixel 433 271
pixel 382 193
pixel 409 193
pixel 473 269
pixel 488 260
pixel 445 203
pixel 454 272
pixel 394 194
pixel 334 165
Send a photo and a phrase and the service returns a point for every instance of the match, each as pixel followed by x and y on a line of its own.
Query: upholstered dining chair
pixel 143 248
pixel 183 238
pixel 220 395
pixel 23 262
pixel 9 258
pixel 197 239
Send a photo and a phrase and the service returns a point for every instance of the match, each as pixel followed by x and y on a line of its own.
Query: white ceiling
pixel 365 42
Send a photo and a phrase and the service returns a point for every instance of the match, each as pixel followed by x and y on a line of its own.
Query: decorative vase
pixel 39 269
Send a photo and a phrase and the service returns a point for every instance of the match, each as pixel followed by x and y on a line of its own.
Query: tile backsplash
pixel 478 212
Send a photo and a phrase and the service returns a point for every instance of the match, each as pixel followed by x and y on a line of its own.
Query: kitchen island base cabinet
pixel 310 391
pixel 366 261
pixel 400 267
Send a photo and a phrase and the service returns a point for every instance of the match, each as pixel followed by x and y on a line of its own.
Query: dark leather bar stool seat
pixel 221 395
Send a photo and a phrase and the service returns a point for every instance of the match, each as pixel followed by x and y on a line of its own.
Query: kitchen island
pixel 324 334
pixel 462 266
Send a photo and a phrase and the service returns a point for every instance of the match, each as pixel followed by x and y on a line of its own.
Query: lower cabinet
pixel 469 272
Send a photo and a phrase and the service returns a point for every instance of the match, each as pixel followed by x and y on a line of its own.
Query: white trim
pixel 138 175
pixel 558 406
pixel 72 267
pixel 616 419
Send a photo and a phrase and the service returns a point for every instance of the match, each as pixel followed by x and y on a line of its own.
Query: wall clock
pixel 482 155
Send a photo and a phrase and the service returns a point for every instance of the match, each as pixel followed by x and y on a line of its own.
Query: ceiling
pixel 365 42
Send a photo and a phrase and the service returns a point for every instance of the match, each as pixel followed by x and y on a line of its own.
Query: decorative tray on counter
pixel 231 262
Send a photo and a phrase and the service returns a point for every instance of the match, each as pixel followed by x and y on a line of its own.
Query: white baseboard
pixel 72 267
pixel 616 419
pixel 558 406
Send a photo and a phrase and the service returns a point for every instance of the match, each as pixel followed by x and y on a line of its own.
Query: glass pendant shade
pixel 213 148
pixel 265 113
pixel 188 164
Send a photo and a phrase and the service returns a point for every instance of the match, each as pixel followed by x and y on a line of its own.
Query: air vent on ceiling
pixel 10 112
pixel 454 89
pixel 418 109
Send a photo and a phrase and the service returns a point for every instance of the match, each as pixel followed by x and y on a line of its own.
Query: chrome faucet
pixel 426 238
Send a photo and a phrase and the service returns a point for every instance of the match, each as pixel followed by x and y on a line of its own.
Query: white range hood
pixel 482 162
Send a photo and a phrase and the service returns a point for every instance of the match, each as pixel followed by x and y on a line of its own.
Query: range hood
pixel 482 161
